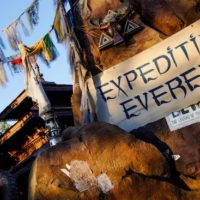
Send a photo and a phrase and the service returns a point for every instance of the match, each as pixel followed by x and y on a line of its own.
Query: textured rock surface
pixel 138 166
pixel 138 169
pixel 187 10
pixel 76 104
pixel 184 142
pixel 8 186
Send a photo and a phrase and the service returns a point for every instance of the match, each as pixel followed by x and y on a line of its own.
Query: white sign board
pixel 184 117
pixel 151 85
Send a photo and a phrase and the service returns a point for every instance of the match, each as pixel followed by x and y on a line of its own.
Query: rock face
pixel 8 186
pixel 139 167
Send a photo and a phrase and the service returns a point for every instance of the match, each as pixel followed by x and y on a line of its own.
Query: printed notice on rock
pixel 184 117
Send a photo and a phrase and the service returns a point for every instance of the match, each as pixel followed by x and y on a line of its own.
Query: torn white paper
pixel 104 183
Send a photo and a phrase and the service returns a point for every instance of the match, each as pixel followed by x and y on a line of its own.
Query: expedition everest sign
pixel 151 85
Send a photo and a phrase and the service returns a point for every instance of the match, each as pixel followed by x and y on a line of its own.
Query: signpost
pixel 151 85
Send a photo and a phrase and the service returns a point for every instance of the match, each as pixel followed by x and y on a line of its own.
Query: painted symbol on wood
pixel 131 27
pixel 118 39
pixel 105 41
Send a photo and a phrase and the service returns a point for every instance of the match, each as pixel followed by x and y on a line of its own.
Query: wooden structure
pixel 28 133
pixel 20 144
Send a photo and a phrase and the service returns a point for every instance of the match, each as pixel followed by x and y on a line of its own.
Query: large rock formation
pixel 8 186
pixel 140 166
pixel 138 169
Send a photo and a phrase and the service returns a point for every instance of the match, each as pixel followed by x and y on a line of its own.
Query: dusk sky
pixel 59 70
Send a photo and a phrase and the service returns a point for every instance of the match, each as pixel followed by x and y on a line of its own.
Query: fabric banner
pixel 36 91
pixel 151 85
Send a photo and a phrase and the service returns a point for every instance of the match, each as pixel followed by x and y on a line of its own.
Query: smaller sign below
pixel 184 117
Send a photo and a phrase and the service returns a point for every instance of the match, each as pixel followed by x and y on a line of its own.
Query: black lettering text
pixel 178 85
pixel 144 73
pixel 157 96
pixel 105 92
pixel 127 109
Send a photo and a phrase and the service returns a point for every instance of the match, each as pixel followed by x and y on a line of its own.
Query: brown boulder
pixel 138 169
pixel 159 15
pixel 184 142
pixel 76 104
pixel 187 10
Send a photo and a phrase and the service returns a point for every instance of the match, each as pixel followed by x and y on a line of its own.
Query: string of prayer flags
pixel 61 25
pixel 56 2
pixel 12 32
pixel 64 1
pixel 15 62
pixel 2 43
pixel 44 47
pixel 33 13
pixel 24 29
pixel 13 35
pixel 58 25
pixel 2 56
pixel 49 51
pixel 3 77
pixel 70 19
